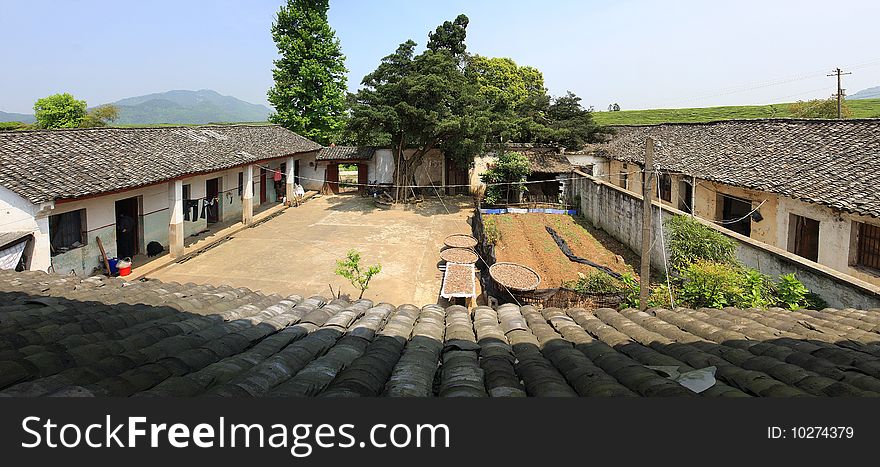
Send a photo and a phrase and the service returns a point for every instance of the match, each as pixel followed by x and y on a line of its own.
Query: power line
pixel 838 72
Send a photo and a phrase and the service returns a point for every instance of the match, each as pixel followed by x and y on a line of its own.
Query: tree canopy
pixel 310 82
pixel 59 111
pixel 444 98
pixel 100 116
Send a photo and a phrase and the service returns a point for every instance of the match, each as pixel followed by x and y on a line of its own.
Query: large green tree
pixel 422 102
pixel 59 111
pixel 310 83
pixel 571 125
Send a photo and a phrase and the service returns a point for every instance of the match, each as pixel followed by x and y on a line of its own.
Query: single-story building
pixel 61 190
pixel 806 186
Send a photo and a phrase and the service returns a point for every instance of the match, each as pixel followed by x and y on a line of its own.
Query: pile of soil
pixel 459 279
pixel 459 255
pixel 460 241
pixel 525 241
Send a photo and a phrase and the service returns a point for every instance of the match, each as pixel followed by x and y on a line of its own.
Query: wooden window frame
pixel 867 238
pixel 54 219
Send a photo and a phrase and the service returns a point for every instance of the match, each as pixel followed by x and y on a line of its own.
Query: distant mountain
pixel 870 93
pixel 14 117
pixel 204 106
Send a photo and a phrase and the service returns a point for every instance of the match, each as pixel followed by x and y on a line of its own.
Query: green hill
pixel 862 108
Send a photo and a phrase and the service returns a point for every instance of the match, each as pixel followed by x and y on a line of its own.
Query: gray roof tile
pixel 63 335
pixel 44 165
pixel 830 162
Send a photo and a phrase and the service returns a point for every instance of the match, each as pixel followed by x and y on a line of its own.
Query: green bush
pixel 595 282
pixel 659 297
pixel 712 285
pixel 511 167
pixel 791 293
pixel 490 228
pixel 689 241
pixel 630 291
pixel 757 290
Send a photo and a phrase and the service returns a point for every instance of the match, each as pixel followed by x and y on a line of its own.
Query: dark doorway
pixel 735 214
pixel 212 190
pixel 128 227
pixel 363 177
pixel 803 237
pixel 686 203
pixel 456 175
pixel 296 171
pixel 263 181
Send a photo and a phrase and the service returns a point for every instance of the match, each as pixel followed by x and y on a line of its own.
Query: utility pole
pixel 838 72
pixel 647 196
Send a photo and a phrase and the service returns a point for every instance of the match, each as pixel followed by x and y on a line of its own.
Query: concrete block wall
pixel 619 212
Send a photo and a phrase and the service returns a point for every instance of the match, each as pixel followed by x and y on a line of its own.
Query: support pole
pixel 647 195
pixel 175 225
pixel 247 200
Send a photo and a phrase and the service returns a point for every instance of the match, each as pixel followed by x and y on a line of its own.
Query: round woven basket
pixel 515 276
pixel 459 255
pixel 460 241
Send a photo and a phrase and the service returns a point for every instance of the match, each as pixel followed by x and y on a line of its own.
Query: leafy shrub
pixel 511 167
pixel 490 228
pixel 659 297
pixel 710 284
pixel 12 126
pixel 630 291
pixel 689 241
pixel 350 268
pixel 757 290
pixel 595 282
pixel 791 293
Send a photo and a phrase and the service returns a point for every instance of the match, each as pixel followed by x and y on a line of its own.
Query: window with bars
pixel 868 248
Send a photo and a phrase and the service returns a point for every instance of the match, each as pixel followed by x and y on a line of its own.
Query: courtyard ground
pixel 296 251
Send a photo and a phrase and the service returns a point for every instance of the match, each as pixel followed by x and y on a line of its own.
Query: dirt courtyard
pixel 296 251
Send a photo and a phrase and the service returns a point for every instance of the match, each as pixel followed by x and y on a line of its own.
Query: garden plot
pixel 524 240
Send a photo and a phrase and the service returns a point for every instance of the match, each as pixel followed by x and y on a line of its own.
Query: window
pixel 868 246
pixel 686 200
pixel 623 178
pixel 803 237
pixel 240 183
pixel 67 231
pixel 734 214
pixel 187 191
pixel 664 188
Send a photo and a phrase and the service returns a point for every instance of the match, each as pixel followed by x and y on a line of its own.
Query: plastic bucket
pixel 124 266
pixel 112 262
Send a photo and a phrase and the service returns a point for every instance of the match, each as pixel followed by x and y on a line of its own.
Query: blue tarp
pixel 571 212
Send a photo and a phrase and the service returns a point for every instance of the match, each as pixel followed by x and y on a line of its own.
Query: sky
pixel 640 54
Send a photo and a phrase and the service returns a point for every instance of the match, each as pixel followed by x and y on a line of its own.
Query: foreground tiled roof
pixel 60 335
pixel 346 153
pixel 45 165
pixel 835 163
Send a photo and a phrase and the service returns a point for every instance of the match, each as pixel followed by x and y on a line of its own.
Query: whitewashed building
pixel 61 190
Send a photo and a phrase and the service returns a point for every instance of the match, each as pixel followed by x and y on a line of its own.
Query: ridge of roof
pixel 751 120
pixel 144 127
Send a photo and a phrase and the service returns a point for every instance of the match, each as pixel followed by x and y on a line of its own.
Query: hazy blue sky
pixel 638 53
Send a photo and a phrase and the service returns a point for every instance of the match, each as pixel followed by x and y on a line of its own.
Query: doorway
pixel 363 178
pixel 296 171
pixel 212 190
pixel 128 227
pixel 456 176
pixel 686 203
pixel 263 182
pixel 803 237
pixel 735 214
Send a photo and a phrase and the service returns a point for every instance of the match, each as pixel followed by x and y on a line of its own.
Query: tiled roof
pixel 543 162
pixel 45 165
pixel 830 162
pixel 346 153
pixel 62 335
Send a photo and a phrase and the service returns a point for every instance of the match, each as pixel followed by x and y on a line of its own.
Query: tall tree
pixel 571 125
pixel 310 83
pixel 59 111
pixel 100 116
pixel 422 102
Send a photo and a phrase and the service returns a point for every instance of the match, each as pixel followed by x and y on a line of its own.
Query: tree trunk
pixel 405 171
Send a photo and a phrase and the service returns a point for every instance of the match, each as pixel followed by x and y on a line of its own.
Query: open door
pixel 803 237
pixel 127 227
pixel 212 190
pixel 263 181
pixel 333 178
pixel 363 178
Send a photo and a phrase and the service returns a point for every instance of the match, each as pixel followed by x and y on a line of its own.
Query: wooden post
pixel 647 195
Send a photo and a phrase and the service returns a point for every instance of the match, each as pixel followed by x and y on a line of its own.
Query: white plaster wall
pixel 382 166
pixel 311 176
